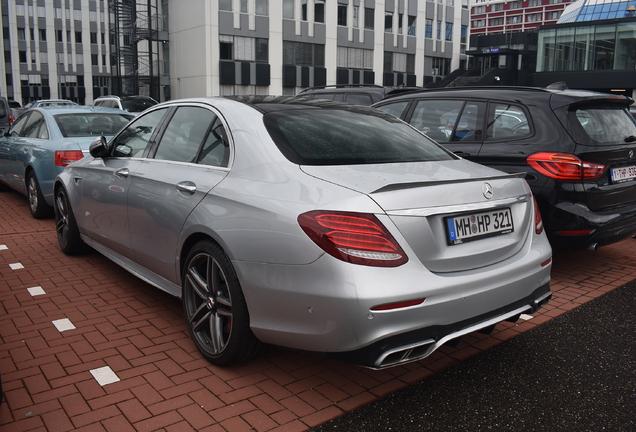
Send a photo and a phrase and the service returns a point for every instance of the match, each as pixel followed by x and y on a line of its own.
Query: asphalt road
pixel 576 372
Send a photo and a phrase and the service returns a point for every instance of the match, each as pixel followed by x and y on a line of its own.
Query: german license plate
pixel 468 227
pixel 623 174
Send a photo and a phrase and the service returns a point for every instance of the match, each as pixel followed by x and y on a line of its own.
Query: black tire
pixel 38 207
pixel 67 231
pixel 215 308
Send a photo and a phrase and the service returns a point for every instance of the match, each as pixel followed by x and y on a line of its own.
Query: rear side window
pixel 347 137
pixel 602 125
pixel 395 109
pixel 184 134
pixel 359 99
pixel 506 121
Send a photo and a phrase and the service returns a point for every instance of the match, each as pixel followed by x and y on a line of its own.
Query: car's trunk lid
pixel 428 201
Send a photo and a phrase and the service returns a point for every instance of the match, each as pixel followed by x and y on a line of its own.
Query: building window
pixel 59 36
pixel 533 3
pixel 94 60
pixel 479 9
pixel 498 7
pixel 303 54
pixel 449 31
pixel 243 48
pixel 261 7
pixel 288 9
pixel 21 34
pixel 514 5
pixel 78 37
pixel 369 18
pixel 93 37
pixel 533 17
pixel 42 33
pixel 496 21
pixel 243 6
pixel 22 55
pixel 411 25
pixel 225 5
pixel 388 22
pixel 428 29
pixel 355 58
pixel 319 11
pixel 464 34
pixel 514 19
pixel 342 15
pixel 356 11
pixel 439 30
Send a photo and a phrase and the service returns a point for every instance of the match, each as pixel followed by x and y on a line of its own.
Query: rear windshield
pixel 83 125
pixel 137 105
pixel 602 125
pixel 341 137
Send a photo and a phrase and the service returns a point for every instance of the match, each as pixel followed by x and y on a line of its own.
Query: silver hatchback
pixel 319 226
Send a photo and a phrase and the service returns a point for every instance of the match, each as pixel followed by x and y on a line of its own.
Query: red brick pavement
pixel 139 332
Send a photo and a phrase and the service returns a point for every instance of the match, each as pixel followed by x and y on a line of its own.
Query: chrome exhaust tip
pixel 593 247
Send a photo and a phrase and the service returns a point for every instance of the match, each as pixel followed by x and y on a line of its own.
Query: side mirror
pixel 98 148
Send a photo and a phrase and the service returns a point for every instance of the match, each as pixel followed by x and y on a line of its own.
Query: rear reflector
pixel 358 238
pixel 546 262
pixel 398 305
pixel 564 166
pixel 538 222
pixel 576 232
pixel 64 158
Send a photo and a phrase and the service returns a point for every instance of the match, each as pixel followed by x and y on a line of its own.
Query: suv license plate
pixel 623 174
pixel 468 227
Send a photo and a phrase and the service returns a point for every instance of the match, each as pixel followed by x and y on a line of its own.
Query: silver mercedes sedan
pixel 319 226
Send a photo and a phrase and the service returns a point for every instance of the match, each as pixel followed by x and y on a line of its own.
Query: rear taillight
pixel 10 119
pixel 538 222
pixel 358 238
pixel 564 166
pixel 64 158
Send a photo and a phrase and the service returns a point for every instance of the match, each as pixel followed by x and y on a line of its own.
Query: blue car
pixel 42 141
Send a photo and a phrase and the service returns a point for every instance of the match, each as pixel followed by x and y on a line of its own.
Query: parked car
pixel 577 149
pixel 132 104
pixel 16 109
pixel 6 115
pixel 50 103
pixel 309 224
pixel 363 94
pixel 44 140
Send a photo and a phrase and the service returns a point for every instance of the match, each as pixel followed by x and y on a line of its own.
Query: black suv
pixel 358 94
pixel 577 148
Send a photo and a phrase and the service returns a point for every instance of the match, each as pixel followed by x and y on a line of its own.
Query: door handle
pixel 187 187
pixel 122 173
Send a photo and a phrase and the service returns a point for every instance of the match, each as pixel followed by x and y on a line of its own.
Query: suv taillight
pixel 358 238
pixel 564 166
pixel 64 158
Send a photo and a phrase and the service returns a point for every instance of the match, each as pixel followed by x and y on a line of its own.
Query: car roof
pixel 499 92
pixel 79 109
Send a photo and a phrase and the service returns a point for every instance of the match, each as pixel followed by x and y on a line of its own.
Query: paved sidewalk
pixel 69 323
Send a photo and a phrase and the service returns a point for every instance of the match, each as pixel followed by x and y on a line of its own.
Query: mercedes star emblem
pixel 486 189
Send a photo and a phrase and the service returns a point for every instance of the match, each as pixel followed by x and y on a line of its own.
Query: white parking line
pixel 526 317
pixel 3 247
pixel 16 266
pixel 105 375
pixel 63 324
pixel 34 291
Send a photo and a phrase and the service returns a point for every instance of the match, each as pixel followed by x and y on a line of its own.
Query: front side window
pixel 133 140
pixel 346 137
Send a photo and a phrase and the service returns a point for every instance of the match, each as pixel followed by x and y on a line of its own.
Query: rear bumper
pixel 418 344
pixel 607 227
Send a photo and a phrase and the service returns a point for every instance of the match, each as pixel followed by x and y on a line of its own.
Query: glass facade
pixel 601 47
pixel 593 10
